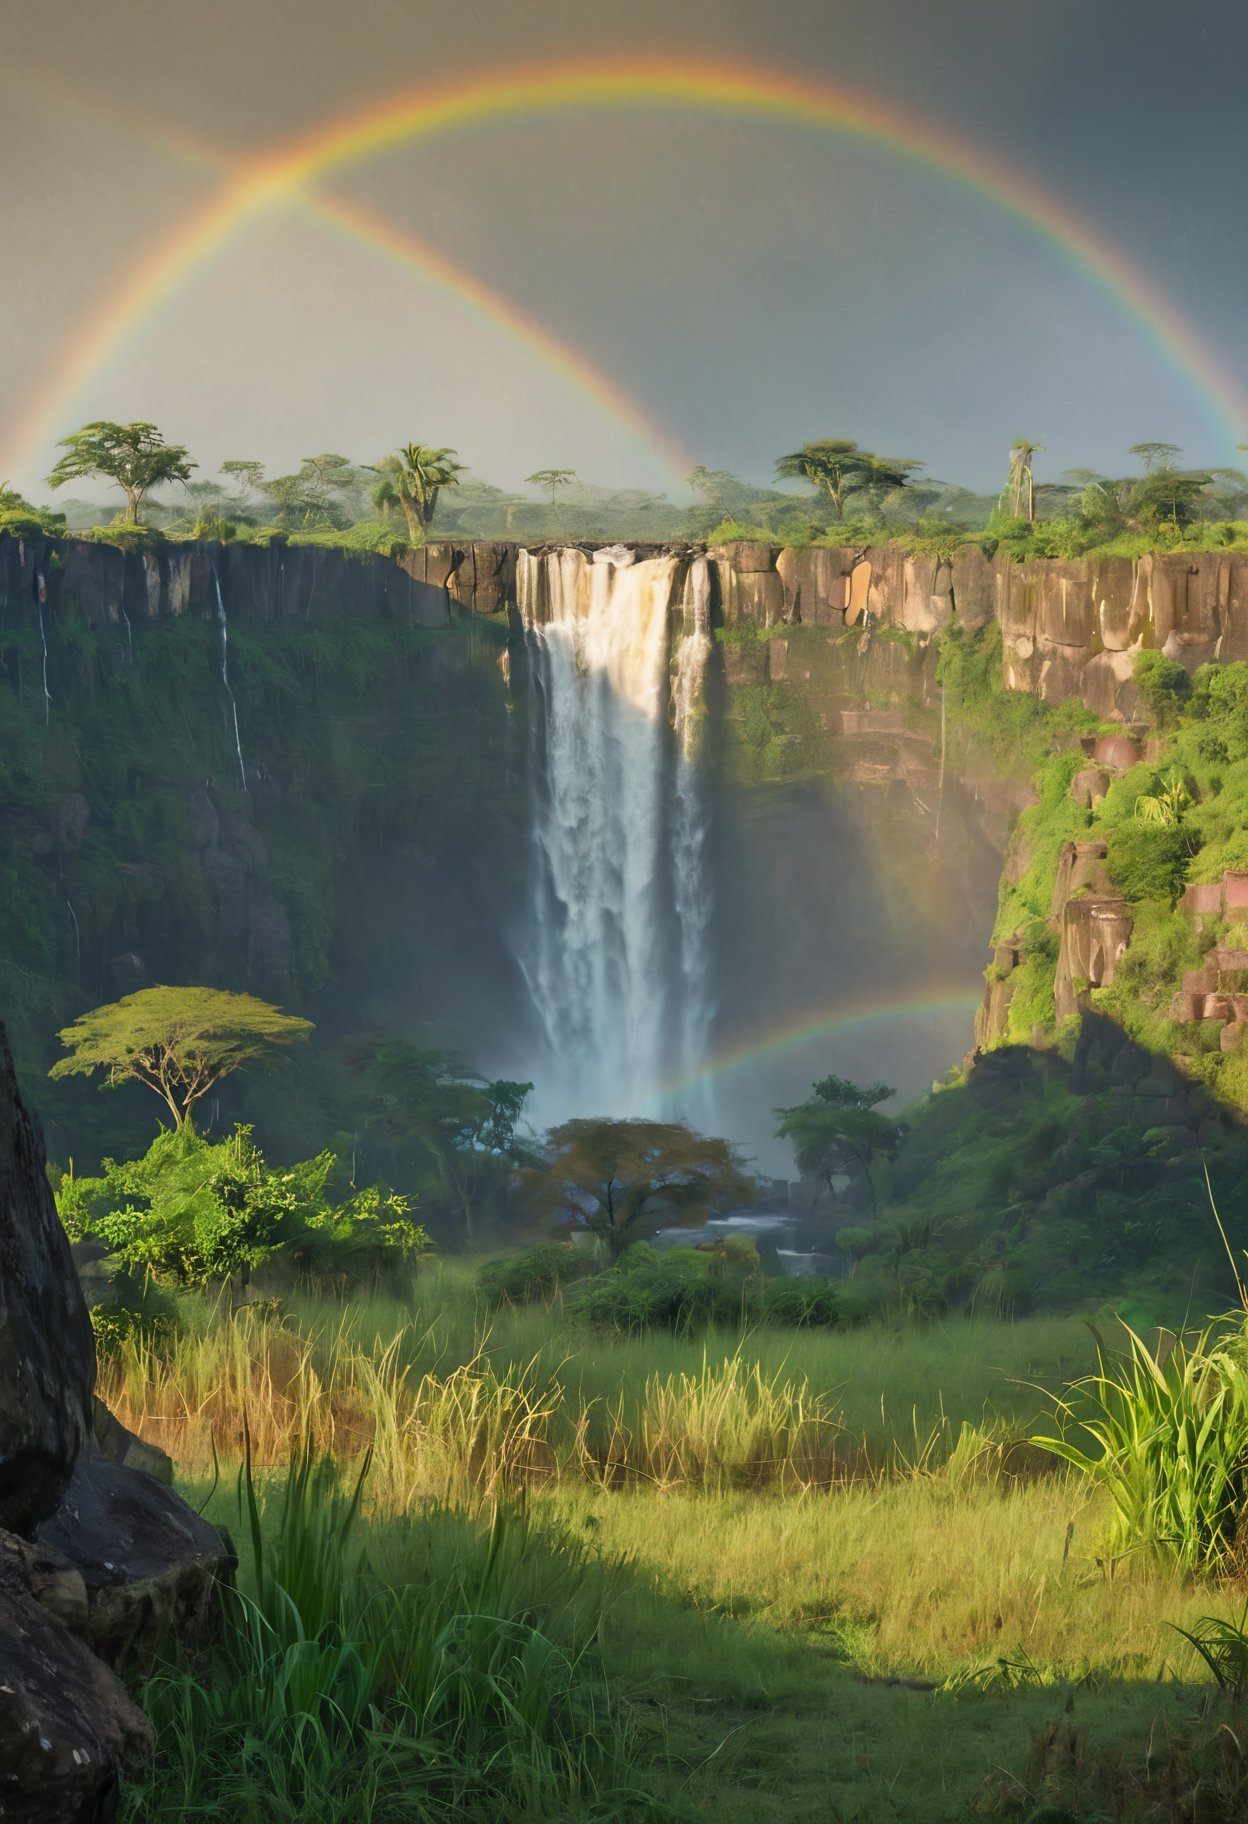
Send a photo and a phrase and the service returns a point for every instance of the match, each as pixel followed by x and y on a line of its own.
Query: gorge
pixel 610 818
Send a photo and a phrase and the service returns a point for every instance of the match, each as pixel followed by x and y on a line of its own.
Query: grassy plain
pixel 807 1575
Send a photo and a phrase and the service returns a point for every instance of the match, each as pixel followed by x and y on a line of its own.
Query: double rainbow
pixel 295 172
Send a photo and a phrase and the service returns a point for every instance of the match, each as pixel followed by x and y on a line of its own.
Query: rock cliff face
pixel 1068 628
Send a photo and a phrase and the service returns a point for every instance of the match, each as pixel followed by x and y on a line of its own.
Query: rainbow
pixel 827 1024
pixel 355 222
pixel 688 84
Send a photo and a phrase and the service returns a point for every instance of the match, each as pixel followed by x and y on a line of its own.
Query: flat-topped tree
pixel 552 480
pixel 180 1042
pixel 134 456
pixel 839 468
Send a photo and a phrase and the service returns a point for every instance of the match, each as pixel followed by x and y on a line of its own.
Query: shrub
pixel 1163 685
pixel 673 1288
pixel 1147 861
pixel 522 1279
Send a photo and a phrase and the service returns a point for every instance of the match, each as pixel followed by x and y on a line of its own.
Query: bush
pixel 671 1288
pixel 522 1279
pixel 1147 861
pixel 192 1211
pixel 1163 685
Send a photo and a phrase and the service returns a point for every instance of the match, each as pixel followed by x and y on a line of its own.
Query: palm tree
pixel 413 479
pixel 1022 482
pixel 840 468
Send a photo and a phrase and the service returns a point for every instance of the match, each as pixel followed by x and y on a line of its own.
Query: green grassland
pixel 763 1575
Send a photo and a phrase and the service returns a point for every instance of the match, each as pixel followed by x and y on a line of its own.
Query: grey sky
pixel 750 283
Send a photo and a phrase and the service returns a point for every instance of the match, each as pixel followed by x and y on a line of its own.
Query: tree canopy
pixel 412 479
pixel 837 1130
pixel 839 468
pixel 608 1176
pixel 134 456
pixel 180 1042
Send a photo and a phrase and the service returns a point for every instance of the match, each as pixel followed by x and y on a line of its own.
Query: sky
pixel 628 290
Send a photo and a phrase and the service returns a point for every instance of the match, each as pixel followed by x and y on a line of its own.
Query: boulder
pixel 150 1564
pixel 67 1727
pixel 113 1441
pixel 47 1350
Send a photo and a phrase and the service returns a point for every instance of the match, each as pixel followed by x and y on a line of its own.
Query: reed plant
pixel 1164 1432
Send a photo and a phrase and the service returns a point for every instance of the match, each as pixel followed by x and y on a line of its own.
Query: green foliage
pixel 1163 685
pixel 193 1211
pixel 687 1290
pixel 838 1130
pixel 1165 1434
pixel 1147 861
pixel 178 1042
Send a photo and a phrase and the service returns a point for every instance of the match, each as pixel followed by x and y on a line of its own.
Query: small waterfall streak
pixel 691 884
pixel 225 673
pixel 77 928
pixel 42 635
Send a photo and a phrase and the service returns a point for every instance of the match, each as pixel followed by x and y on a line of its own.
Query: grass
pixel 773 1576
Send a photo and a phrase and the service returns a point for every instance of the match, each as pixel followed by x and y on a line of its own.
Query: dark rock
pixel 67 1727
pixel 113 1441
pixel 47 1350
pixel 151 1565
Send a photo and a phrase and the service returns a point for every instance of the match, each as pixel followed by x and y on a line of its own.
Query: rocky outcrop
pixel 99 1560
pixel 47 1350
pixel 149 1564
pixel 67 1728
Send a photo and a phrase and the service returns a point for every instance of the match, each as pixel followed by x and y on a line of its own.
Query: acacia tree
pixel 837 1129
pixel 607 1176
pixel 553 480
pixel 134 456
pixel 413 479
pixel 179 1042
pixel 839 468
pixel 1155 455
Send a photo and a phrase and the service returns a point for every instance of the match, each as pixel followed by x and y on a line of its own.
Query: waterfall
pixel 225 672
pixel 690 820
pixel 615 950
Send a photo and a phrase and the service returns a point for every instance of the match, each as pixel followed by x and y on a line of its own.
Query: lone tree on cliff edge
pixel 135 456
pixel 840 468
pixel 413 480
pixel 180 1042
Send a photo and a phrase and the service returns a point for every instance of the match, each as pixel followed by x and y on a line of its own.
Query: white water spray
pixel 225 674
pixel 610 952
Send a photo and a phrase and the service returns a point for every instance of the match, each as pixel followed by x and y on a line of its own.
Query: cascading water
pixel 225 674
pixel 615 953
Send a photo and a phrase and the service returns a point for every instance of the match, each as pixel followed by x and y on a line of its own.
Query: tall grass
pixel 461 1404
pixel 429 1690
